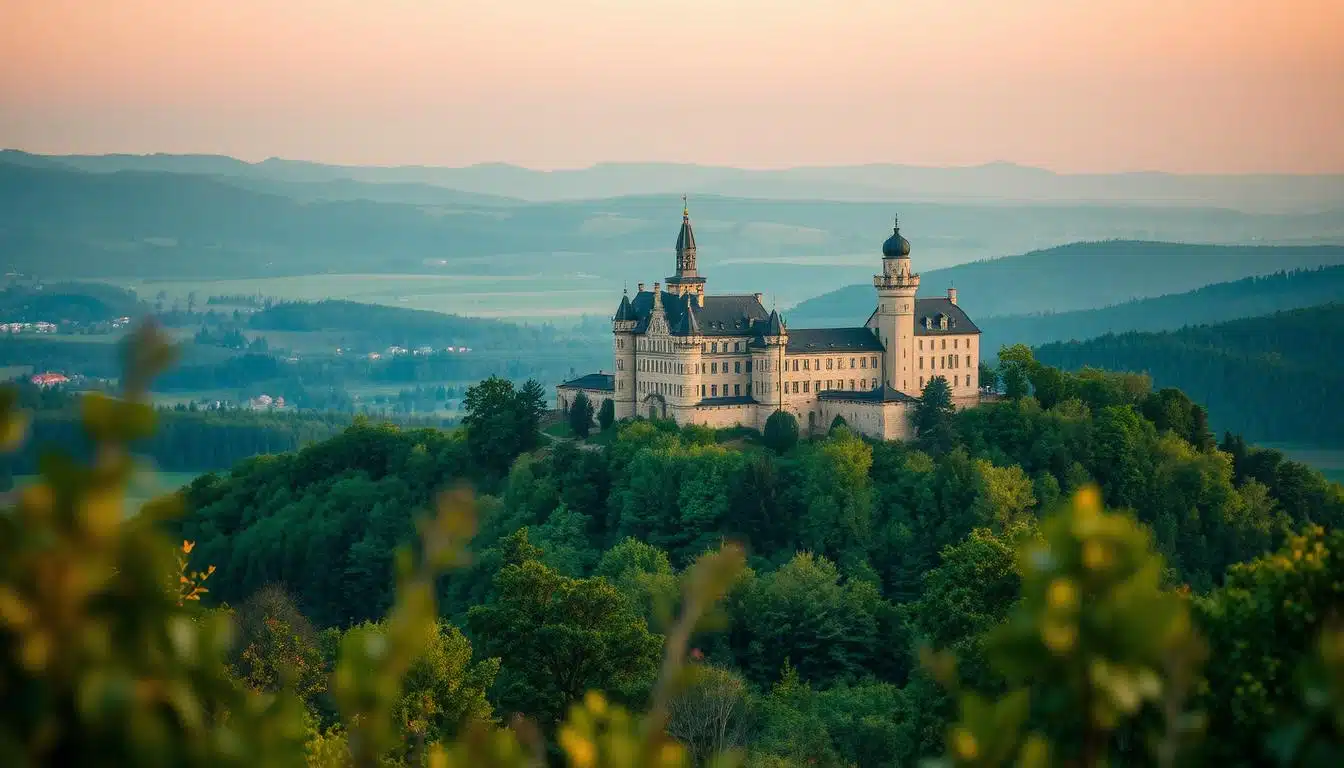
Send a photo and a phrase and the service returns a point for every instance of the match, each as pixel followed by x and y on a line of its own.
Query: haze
pixel 1209 86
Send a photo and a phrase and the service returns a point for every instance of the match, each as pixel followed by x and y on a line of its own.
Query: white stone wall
pixel 955 357
pixel 564 398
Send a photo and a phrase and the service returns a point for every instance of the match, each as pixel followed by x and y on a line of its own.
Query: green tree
pixel 559 637
pixel 581 415
pixel 501 422
pixel 989 378
pixel 781 432
pixel 932 416
pixel 838 423
pixel 277 646
pixel 606 415
pixel 711 714
pixel 1016 364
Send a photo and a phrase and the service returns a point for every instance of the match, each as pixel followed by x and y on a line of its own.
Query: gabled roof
pixel 883 394
pixel 600 382
pixel 804 341
pixel 958 322
pixel 720 316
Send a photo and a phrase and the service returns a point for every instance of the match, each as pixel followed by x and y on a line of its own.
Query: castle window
pixel 851 384
pixel 968 361
pixel 921 343
pixel 807 386
pixel 954 343
pixel 921 363
pixel 714 390
pixel 748 387
pixel 737 367
pixel 874 361
pixel 863 362
pixel 921 382
pixel 795 365
pixel 714 347
pixel 806 364
pixel 702 390
pixel 944 343
pixel 737 389
pixel 702 346
pixel 851 362
pixel 830 364
pixel 737 346
pixel 713 367
pixel 795 387
pixel 767 365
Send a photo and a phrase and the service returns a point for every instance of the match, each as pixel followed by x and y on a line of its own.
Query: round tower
pixel 895 321
pixel 768 365
pixel 623 346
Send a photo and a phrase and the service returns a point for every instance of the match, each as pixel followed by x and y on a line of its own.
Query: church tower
pixel 687 281
pixel 895 325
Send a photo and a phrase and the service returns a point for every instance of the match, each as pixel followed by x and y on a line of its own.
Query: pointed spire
pixel 775 325
pixel 624 311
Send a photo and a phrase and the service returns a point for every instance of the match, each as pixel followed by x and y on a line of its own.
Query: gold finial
pixel 685 209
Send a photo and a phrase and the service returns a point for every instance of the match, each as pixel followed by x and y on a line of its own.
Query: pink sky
pixel 1072 85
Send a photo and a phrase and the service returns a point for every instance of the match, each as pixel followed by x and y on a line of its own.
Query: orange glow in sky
pixel 1072 85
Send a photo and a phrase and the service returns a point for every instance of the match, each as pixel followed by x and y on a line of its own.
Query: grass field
pixel 516 297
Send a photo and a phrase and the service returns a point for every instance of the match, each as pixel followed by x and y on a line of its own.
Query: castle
pixel 684 354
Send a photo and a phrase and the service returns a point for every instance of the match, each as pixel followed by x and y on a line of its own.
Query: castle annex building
pixel 686 354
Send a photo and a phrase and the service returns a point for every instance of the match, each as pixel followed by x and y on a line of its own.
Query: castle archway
pixel 655 406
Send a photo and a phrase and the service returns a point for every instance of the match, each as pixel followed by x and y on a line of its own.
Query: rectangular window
pixel 863 362
pixel 956 381
pixel 713 367
pixel 874 363
pixel 944 343
pixel 714 390
pixel 968 361
pixel 702 390
pixel 807 386
pixel 737 389
pixel 851 362
pixel 805 365
pixel 921 363
pixel 830 364
pixel 954 343
pixel 921 382
pixel 851 384
pixel 921 343
pixel 737 367
pixel 737 346
pixel 818 386
pixel 749 365
pixel 795 387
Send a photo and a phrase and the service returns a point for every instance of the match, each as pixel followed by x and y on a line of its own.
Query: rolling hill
pixel 1273 377
pixel 1249 297
pixel 1078 276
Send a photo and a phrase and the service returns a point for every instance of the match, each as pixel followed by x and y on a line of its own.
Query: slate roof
pixel 883 394
pixel 685 237
pixel 958 322
pixel 819 340
pixel 720 316
pixel 730 400
pixel 623 312
pixel 601 382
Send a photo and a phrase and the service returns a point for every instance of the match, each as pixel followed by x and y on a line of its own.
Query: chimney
pixel 759 296
pixel 657 296
pixel 641 287
pixel 952 295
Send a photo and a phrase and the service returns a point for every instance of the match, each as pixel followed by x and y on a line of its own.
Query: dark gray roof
pixel 623 312
pixel 896 247
pixel 957 320
pixel 720 316
pixel 883 394
pixel 730 400
pixel 686 237
pixel 774 326
pixel 601 382
pixel 807 340
pixel 689 325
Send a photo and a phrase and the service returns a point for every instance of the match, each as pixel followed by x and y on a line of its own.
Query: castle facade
pixel 724 360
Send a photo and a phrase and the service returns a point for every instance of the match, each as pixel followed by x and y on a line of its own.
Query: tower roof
pixel 688 325
pixel 624 312
pixel 896 247
pixel 774 326
pixel 686 237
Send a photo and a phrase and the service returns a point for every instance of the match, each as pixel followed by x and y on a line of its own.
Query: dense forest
pixel 1249 297
pixel 1271 378
pixel 67 302
pixel 859 553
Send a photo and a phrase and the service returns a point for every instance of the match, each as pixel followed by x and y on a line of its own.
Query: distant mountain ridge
pixel 1220 302
pixel 1080 276
pixel 980 184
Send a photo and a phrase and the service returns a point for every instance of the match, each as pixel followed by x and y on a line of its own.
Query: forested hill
pixel 860 554
pixel 406 326
pixel 68 302
pixel 1273 377
pixel 1075 277
pixel 1249 297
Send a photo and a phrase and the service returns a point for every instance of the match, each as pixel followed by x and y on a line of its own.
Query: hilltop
pixel 1272 377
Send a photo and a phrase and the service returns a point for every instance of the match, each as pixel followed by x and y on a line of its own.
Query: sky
pixel 1190 86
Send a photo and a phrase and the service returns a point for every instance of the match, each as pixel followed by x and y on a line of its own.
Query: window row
pixel 944 362
pixel 832 363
